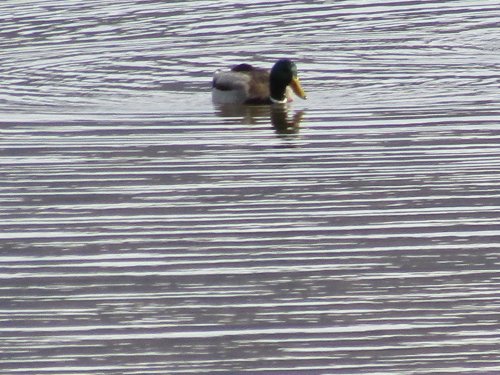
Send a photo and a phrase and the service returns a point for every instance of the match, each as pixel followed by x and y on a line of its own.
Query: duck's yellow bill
pixel 297 88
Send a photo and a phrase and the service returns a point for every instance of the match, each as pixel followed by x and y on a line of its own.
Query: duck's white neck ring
pixel 275 101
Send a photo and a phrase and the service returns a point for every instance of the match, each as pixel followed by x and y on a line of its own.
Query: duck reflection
pixel 283 123
pixel 279 116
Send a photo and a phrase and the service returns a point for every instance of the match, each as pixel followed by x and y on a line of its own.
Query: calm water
pixel 145 231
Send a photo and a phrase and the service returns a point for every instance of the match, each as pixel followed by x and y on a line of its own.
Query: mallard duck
pixel 245 84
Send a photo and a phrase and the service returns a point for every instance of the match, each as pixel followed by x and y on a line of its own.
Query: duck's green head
pixel 284 73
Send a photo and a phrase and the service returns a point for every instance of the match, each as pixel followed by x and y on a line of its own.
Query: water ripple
pixel 145 231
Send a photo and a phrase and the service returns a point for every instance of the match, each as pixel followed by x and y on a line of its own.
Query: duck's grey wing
pixel 230 87
pixel 242 84
pixel 229 80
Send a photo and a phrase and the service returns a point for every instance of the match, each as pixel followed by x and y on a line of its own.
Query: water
pixel 145 231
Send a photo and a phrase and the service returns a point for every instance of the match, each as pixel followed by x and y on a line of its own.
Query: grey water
pixel 144 230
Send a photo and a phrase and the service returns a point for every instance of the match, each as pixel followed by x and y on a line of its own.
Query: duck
pixel 246 84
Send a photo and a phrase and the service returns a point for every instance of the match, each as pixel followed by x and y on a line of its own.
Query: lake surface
pixel 145 231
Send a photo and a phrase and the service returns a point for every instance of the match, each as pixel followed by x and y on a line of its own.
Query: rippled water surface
pixel 145 231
